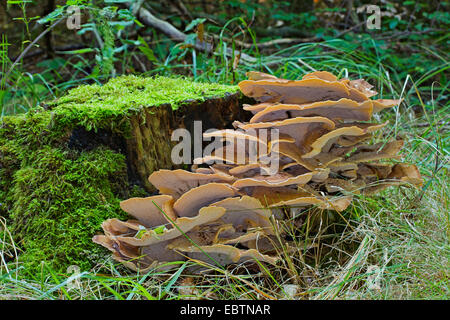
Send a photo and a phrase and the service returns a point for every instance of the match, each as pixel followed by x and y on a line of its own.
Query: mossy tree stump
pixel 65 166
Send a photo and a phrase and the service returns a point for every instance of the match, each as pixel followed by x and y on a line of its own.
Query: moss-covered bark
pixel 150 145
pixel 65 167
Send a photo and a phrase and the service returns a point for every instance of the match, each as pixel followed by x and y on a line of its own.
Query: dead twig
pixel 267 44
pixel 24 52
pixel 147 18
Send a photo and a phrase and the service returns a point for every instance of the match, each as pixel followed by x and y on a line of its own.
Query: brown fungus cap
pixel 157 255
pixel 189 204
pixel 277 180
pixel 121 249
pixel 363 86
pixel 177 182
pixel 245 213
pixel 283 196
pixel 249 170
pixel 184 224
pixel 334 185
pixel 296 92
pixel 295 153
pixel 146 210
pixel 256 75
pixel 324 75
pixel 343 109
pixel 228 156
pixel 304 130
pixel 377 151
pixel 224 254
pixel 248 135
pixel 380 104
pixel 257 107
pixel 323 144
pixel 218 233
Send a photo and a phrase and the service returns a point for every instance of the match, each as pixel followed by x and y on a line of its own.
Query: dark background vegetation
pixel 215 41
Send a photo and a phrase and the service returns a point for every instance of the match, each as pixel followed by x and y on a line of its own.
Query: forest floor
pixel 394 245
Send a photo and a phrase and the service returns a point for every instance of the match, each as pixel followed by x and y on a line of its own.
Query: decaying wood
pixel 149 148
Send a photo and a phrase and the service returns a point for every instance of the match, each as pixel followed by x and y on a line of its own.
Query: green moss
pixel 133 92
pixel 97 106
pixel 61 200
pixel 54 197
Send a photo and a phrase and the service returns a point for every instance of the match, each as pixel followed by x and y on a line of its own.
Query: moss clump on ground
pixel 55 197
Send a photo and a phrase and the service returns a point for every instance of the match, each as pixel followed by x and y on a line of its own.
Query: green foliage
pixel 412 38
pixel 106 58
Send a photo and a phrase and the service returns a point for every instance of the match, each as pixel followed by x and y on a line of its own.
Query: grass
pixel 391 246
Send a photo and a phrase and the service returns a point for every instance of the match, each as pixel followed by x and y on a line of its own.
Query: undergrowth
pixel 390 246
pixel 394 245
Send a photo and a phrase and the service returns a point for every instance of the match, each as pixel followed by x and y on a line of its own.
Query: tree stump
pixel 65 166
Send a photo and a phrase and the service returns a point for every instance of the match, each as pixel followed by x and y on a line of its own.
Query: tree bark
pixel 150 146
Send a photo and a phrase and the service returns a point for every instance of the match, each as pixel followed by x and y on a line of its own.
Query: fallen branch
pixel 147 18
pixel 267 44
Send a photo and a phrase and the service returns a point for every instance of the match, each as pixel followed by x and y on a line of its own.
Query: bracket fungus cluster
pixel 225 209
